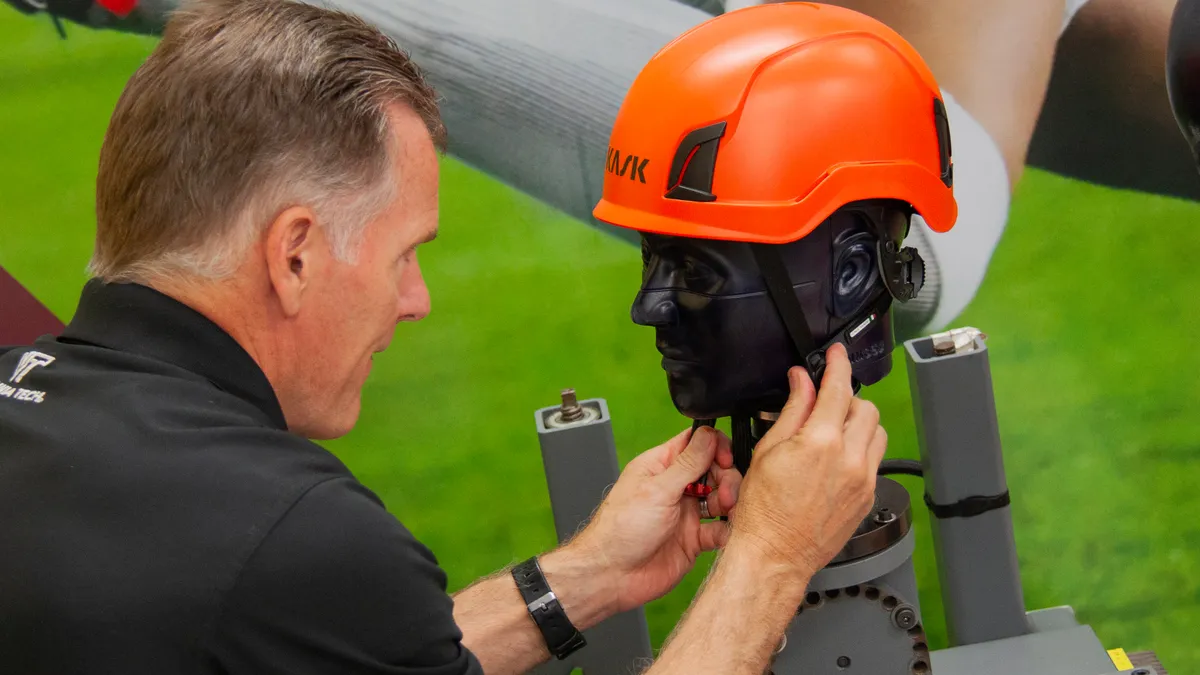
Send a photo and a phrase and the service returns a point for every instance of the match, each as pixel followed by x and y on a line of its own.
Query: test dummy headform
pixel 762 124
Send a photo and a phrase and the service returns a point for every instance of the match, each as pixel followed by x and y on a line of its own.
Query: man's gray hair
pixel 244 109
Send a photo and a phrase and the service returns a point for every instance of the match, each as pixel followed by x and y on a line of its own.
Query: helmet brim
pixel 784 222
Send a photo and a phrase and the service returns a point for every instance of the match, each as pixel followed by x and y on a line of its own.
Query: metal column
pixel 959 437
pixel 580 459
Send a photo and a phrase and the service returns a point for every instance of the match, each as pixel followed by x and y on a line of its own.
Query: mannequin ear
pixel 292 248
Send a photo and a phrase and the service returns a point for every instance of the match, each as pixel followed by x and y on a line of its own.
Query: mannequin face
pixel 725 349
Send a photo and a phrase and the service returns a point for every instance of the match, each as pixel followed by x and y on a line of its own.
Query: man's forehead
pixel 410 135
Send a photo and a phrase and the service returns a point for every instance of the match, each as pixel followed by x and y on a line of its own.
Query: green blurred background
pixel 1090 303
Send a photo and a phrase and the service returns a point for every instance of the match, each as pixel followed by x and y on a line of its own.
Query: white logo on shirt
pixel 27 363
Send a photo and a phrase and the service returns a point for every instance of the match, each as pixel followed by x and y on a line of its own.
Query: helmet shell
pixel 758 124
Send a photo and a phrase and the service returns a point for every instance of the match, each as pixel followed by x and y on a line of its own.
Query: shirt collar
pixel 140 320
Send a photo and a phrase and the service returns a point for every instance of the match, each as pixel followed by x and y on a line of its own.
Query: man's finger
pixel 714 534
pixel 837 391
pixel 878 448
pixel 655 460
pixel 724 458
pixel 694 461
pixel 861 423
pixel 725 496
pixel 795 413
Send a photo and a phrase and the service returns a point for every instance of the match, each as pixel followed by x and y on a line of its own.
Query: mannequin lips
pixel 672 354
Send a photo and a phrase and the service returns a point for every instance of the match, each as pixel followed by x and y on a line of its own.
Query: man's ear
pixel 292 249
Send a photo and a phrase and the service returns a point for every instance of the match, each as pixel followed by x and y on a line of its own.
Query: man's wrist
pixel 584 585
pixel 750 555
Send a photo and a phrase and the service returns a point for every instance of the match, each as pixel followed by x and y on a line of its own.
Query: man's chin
pixel 335 423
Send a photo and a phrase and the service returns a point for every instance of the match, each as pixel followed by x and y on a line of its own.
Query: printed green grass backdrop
pixel 1091 302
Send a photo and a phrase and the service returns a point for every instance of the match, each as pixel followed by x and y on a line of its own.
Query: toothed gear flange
pixel 867 629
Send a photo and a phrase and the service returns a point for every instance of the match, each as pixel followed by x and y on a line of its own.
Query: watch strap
pixel 561 636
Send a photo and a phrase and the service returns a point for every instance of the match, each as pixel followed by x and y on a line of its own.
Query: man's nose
pixel 655 308
pixel 415 303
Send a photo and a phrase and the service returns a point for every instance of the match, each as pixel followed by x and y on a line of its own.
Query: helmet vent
pixel 695 161
pixel 942 124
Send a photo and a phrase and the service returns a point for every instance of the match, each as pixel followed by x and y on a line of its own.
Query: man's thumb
pixel 694 461
pixel 795 412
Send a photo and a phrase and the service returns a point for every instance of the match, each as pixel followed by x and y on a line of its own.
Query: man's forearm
pixel 738 618
pixel 497 627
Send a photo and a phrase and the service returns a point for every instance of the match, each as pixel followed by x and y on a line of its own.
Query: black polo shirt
pixel 157 517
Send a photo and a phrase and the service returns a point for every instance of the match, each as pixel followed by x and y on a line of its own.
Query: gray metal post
pixel 959 439
pixel 580 459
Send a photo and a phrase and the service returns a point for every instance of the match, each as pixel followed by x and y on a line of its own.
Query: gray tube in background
pixel 531 87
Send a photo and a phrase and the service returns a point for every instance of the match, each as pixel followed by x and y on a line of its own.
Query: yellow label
pixel 1119 659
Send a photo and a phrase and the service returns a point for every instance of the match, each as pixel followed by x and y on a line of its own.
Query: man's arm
pixel 736 620
pixel 746 596
pixel 497 627
pixel 810 484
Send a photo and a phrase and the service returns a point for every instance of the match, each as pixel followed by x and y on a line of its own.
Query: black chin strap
pixel 743 440
pixel 779 286
pixel 903 273
pixel 783 295
pixel 743 443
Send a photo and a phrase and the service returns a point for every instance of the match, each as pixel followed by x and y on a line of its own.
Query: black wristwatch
pixel 561 636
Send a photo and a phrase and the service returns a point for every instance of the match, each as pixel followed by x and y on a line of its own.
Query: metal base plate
pixel 1066 651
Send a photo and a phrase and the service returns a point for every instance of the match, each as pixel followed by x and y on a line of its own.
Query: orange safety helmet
pixel 759 124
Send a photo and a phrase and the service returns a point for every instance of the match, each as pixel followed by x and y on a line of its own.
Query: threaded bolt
pixel 571 410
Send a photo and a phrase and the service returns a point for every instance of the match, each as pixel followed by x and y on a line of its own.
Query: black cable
pixel 908 467
pixel 743 443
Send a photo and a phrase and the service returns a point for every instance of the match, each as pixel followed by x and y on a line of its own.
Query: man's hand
pixel 812 478
pixel 810 483
pixel 646 533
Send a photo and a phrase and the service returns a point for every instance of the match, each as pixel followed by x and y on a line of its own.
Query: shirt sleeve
pixel 341 586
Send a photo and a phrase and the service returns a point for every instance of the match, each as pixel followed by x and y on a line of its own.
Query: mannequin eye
pixel 646 260
pixel 696 271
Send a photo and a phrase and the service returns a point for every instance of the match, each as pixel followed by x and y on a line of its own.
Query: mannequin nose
pixel 655 308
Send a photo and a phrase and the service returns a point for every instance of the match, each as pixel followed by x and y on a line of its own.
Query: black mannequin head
pixel 726 349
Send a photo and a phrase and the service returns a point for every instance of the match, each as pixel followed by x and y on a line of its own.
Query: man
pixel 266 180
